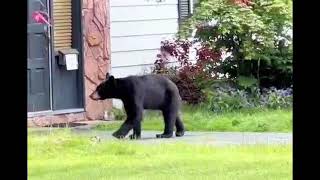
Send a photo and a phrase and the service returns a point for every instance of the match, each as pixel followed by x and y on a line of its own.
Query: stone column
pixel 96 47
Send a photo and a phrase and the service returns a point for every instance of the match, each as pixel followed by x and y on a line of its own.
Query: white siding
pixel 148 27
pixel 133 58
pixel 137 28
pixel 121 3
pixel 136 43
pixel 142 13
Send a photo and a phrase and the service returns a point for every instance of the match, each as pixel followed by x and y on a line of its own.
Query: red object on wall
pixel 41 17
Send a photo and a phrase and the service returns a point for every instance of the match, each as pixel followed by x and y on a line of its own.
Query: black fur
pixel 154 92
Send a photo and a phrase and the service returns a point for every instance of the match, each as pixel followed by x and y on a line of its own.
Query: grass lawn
pixel 197 119
pixel 64 156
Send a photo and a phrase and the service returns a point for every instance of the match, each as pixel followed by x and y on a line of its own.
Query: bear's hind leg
pixel 169 122
pixel 179 127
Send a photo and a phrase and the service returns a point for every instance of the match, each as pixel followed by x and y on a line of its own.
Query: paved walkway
pixel 210 138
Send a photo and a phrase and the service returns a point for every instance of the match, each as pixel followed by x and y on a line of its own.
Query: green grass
pixel 64 156
pixel 197 119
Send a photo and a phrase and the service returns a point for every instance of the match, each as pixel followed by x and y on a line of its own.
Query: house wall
pixel 137 28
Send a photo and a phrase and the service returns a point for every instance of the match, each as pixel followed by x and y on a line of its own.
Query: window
pixel 62 24
pixel 184 7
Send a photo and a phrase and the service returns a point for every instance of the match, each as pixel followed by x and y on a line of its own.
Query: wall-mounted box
pixel 68 58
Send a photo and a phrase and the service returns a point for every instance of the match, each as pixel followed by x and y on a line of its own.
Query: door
pixel 38 60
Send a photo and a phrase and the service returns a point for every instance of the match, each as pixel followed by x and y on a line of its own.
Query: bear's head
pixel 105 90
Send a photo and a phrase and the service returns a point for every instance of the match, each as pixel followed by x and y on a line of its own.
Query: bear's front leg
pixel 137 124
pixel 136 131
pixel 135 136
pixel 123 130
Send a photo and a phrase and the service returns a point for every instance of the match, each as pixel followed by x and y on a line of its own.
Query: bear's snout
pixel 94 96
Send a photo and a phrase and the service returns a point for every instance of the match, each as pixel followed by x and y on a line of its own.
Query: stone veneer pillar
pixel 96 50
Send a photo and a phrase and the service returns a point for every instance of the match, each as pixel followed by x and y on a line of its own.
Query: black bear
pixel 154 92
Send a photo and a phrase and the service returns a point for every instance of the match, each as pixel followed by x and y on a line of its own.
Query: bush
pixel 119 114
pixel 230 99
pixel 191 77
pixel 277 98
pixel 227 99
pixel 256 33
pixel 189 91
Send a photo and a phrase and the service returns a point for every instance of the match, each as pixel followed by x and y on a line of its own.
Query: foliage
pixel 277 98
pixel 190 77
pixel 254 32
pixel 246 82
pixel 230 99
pixel 119 114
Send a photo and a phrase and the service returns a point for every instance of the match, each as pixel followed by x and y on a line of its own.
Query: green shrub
pixel 224 99
pixel 119 114
pixel 256 34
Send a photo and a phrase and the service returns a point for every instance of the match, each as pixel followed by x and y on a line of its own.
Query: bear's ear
pixel 112 80
pixel 107 76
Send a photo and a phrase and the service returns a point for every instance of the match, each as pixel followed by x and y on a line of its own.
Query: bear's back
pixel 154 90
pixel 155 82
